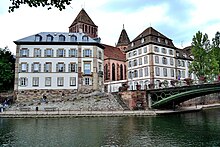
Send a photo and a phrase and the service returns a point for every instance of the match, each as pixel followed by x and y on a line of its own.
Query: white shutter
pixel 90 81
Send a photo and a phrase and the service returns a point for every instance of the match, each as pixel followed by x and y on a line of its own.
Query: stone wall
pixel 29 95
pixel 134 99
pixel 203 100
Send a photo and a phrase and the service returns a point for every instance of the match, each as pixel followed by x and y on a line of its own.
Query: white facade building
pixel 56 62
pixel 153 59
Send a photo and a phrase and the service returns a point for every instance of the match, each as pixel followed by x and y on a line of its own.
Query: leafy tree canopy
pixel 7 65
pixel 60 4
pixel 205 63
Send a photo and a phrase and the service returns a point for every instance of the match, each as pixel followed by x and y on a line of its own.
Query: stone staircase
pixel 120 101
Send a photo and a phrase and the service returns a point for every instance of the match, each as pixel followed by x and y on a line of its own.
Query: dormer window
pixel 184 55
pixel 61 38
pixel 132 44
pixel 177 54
pixel 142 40
pixel 38 38
pixel 85 38
pixel 166 41
pixel 158 39
pixel 49 38
pixel 73 38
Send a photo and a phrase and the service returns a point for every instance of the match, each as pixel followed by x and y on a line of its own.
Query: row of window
pixel 164 60
pixel 62 38
pixel 23 81
pixel 163 50
pixel 24 52
pixel 181 63
pixel 165 72
pixel 60 67
pixel 142 72
pixel 144 50
pixel 138 61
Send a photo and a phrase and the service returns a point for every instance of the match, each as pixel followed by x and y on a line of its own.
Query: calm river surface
pixel 190 129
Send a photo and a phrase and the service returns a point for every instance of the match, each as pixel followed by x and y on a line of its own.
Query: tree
pixel 7 65
pixel 60 4
pixel 204 65
pixel 216 48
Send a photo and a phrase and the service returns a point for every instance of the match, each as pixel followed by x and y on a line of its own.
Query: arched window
pixel 125 72
pixel 61 38
pixel 106 71
pixel 73 38
pixel 113 72
pixel 121 72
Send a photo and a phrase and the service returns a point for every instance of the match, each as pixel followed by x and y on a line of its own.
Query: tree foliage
pixel 7 65
pixel 60 4
pixel 205 64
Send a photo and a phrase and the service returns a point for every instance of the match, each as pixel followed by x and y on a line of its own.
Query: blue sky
pixel 179 20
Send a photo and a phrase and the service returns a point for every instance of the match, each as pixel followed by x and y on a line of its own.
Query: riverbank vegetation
pixel 206 61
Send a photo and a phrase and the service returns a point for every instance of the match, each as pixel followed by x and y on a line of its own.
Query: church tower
pixel 123 40
pixel 84 23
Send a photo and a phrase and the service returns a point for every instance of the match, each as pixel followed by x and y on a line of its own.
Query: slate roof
pixel 56 35
pixel 83 17
pixel 184 53
pixel 151 36
pixel 115 53
pixel 123 38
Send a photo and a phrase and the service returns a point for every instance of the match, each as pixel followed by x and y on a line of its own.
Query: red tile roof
pixel 114 53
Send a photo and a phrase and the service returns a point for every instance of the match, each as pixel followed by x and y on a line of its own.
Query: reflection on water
pixel 191 129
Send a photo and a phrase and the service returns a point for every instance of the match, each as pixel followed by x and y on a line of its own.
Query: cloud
pixel 179 20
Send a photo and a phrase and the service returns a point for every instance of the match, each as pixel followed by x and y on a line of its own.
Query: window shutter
pixel 56 67
pixel 83 53
pixel 32 67
pixel 20 53
pixel 51 52
pixel 76 52
pixel 64 53
pixel 64 67
pixel 27 52
pixel 39 67
pixel 45 53
pixel 19 68
pixel 26 83
pixel 90 53
pixel 76 68
pixel 44 67
pixel 69 53
pixel 90 81
pixel 57 53
pixel 27 68
pixel 69 67
pixel 40 52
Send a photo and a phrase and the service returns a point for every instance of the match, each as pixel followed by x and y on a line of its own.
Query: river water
pixel 189 129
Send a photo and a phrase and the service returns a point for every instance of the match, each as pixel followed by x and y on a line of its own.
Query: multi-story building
pixel 115 68
pixel 55 63
pixel 151 59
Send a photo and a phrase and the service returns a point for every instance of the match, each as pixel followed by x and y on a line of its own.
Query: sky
pixel 179 20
